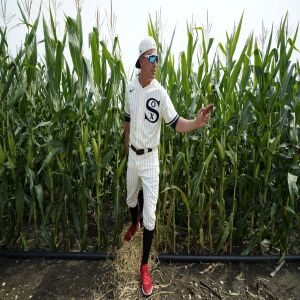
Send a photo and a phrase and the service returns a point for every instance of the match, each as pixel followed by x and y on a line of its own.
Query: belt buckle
pixel 140 152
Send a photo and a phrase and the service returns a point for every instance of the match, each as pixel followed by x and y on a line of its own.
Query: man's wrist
pixel 199 123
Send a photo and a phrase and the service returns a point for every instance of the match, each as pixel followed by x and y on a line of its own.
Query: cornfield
pixel 230 187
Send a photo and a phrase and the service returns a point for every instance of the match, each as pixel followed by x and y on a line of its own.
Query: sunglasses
pixel 152 58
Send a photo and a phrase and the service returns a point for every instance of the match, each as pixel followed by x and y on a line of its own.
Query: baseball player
pixel 147 103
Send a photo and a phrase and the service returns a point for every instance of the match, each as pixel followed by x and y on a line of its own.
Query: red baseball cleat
pixel 132 230
pixel 147 287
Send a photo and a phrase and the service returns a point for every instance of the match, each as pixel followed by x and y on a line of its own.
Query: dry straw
pixel 125 278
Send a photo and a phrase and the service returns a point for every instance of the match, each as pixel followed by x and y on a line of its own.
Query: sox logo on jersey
pixel 145 108
pixel 154 114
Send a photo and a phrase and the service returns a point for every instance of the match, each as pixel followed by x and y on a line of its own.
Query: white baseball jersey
pixel 145 108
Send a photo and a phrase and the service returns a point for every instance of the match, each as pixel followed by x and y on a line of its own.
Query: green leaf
pixel 2 158
pixel 12 146
pixel 184 70
pixel 232 155
pixel 32 35
pixel 274 143
pixel 224 236
pixel 53 25
pixel 40 197
pixel 94 43
pixel 23 241
pixel 96 151
pixel 220 150
pixel 209 157
pixel 183 195
pixel 58 64
pixel 107 158
pixel 48 238
pixel 292 184
pixel 245 116
pixel 222 48
pixel 121 168
pixel 53 152
pixel 107 55
pixel 297 112
pixel 75 46
pixel 236 36
pixel 236 71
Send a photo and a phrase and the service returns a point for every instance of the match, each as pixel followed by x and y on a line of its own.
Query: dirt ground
pixel 119 279
pixel 58 279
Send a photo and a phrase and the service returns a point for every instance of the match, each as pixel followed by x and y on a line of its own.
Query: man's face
pixel 148 69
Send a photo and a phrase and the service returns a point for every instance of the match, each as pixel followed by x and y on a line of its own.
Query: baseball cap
pixel 145 45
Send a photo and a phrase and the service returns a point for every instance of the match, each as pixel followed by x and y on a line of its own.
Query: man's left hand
pixel 203 114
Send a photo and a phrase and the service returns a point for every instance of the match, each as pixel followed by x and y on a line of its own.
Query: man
pixel 146 104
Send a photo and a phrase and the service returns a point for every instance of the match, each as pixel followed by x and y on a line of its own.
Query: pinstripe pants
pixel 143 169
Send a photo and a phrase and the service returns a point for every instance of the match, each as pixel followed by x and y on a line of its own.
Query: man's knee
pixel 149 221
pixel 131 202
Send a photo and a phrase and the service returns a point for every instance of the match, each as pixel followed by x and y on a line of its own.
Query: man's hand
pixel 203 115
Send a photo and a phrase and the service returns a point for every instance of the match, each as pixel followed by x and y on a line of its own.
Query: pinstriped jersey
pixel 144 109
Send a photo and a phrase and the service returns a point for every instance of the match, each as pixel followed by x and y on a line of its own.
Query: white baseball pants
pixel 143 169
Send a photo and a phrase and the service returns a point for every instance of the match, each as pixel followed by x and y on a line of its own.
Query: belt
pixel 140 151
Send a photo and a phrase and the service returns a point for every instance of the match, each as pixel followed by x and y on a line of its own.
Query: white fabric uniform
pixel 144 109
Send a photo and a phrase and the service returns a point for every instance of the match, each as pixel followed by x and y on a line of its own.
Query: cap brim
pixel 137 64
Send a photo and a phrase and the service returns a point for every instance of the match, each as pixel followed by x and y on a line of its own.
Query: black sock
pixel 134 214
pixel 141 205
pixel 147 242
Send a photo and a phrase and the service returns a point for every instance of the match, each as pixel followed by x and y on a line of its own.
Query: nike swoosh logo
pixel 131 90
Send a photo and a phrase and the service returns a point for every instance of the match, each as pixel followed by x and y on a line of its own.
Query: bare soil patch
pixel 119 279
